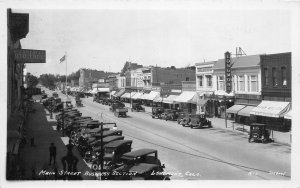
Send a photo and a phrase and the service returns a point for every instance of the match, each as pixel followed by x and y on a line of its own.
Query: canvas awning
pixel 170 99
pixel 235 108
pixel 274 109
pixel 119 93
pixel 160 99
pixel 201 102
pixel 152 95
pixel 246 111
pixel 112 92
pixel 187 97
pixel 101 90
pixel 125 95
pixel 137 96
pixel 288 115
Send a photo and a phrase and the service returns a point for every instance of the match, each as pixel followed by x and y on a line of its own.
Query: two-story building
pixel 245 84
pixel 204 87
pixel 276 91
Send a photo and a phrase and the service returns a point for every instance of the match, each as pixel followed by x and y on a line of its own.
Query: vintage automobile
pixel 119 109
pixel 183 118
pixel 55 95
pixel 113 152
pixel 157 111
pixel 69 104
pixel 199 121
pixel 141 171
pixel 170 114
pixel 137 107
pixel 259 133
pixel 135 160
pixel 95 147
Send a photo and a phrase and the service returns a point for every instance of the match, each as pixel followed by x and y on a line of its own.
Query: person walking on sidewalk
pixel 52 150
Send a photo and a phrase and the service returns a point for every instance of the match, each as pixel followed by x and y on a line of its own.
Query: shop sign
pixel 30 56
pixel 228 72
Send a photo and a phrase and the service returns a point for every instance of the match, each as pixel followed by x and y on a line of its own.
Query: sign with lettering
pixel 228 72
pixel 30 56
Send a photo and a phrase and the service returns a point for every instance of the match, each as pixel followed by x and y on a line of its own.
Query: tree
pixel 31 80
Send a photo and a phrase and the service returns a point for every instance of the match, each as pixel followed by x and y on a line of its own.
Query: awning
pixel 159 99
pixel 127 95
pixel 170 99
pixel 187 97
pixel 137 96
pixel 288 115
pixel 112 93
pixel 121 92
pixel 246 111
pixel 97 90
pixel 201 102
pixel 152 95
pixel 271 109
pixel 235 108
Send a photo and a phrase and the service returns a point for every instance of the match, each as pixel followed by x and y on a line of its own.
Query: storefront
pixel 271 113
pixel 188 101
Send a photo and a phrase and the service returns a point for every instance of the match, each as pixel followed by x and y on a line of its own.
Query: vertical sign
pixel 228 72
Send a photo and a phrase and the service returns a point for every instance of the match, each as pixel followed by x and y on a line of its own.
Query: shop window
pixel 208 80
pixel 266 76
pixel 200 81
pixel 274 77
pixel 283 76
pixel 241 83
pixel 221 83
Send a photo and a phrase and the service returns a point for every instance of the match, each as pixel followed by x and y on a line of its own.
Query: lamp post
pixel 102 145
pixel 225 111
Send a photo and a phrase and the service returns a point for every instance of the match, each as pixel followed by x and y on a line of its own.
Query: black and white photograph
pixel 170 91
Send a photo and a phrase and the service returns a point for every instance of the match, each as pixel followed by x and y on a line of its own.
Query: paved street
pixel 207 154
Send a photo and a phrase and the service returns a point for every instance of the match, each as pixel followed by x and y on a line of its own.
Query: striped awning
pixel 246 111
pixel 271 109
pixel 137 96
pixel 235 108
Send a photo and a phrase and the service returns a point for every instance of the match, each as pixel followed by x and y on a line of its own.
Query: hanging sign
pixel 30 56
pixel 228 72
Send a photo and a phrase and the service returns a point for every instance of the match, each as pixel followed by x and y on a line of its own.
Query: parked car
pixel 170 114
pixel 259 133
pixel 138 164
pixel 199 121
pixel 182 115
pixel 112 154
pixel 137 107
pixel 157 111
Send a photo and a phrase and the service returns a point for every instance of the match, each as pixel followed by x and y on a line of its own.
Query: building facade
pixel 88 77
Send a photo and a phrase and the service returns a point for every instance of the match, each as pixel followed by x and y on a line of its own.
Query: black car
pixel 157 112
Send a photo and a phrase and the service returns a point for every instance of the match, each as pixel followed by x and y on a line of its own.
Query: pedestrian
pixel 52 151
pixel 70 148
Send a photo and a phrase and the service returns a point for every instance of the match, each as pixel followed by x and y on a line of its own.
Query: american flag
pixel 63 58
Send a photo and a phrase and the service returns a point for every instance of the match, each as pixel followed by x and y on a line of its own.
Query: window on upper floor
pixel 200 81
pixel 252 83
pixel 283 76
pixel 221 83
pixel 187 79
pixel 274 77
pixel 266 77
pixel 241 83
pixel 208 80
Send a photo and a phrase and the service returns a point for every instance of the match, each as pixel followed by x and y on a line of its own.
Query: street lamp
pixel 225 111
pixel 102 145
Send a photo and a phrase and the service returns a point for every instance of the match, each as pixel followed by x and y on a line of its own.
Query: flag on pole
pixel 63 58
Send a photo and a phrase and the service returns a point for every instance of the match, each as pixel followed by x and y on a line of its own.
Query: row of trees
pixel 49 80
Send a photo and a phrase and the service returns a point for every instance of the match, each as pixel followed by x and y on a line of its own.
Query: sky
pixel 105 39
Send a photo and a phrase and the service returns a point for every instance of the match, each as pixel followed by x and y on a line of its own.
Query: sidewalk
pixel 37 158
pixel 279 137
